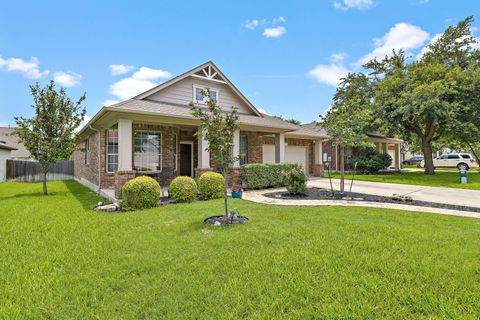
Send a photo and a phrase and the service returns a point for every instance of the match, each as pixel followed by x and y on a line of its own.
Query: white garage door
pixel 293 154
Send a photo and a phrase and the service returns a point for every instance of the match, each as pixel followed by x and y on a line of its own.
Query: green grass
pixel 440 179
pixel 60 260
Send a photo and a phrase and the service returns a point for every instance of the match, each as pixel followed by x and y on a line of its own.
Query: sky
pixel 286 56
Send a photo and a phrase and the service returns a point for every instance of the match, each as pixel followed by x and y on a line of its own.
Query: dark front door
pixel 186 160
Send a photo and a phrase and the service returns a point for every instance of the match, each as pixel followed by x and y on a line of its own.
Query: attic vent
pixel 209 73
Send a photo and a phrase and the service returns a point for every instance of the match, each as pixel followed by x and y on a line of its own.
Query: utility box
pixel 463 176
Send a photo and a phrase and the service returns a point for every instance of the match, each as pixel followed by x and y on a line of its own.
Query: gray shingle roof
pixel 177 111
pixel 309 130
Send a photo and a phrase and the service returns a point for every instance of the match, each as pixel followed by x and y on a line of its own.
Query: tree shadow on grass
pixel 86 197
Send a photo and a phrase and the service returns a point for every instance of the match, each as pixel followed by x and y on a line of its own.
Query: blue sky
pixel 285 56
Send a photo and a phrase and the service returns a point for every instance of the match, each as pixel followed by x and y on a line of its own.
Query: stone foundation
pixel 121 177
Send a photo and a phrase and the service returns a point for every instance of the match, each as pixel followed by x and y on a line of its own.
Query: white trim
pixel 208 79
pixel 204 101
pixel 175 154
pixel 191 154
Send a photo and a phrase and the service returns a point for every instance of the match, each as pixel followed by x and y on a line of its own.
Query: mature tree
pixel 432 98
pixel 350 117
pixel 50 134
pixel 218 127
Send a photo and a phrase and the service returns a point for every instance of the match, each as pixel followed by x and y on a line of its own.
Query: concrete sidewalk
pixel 462 197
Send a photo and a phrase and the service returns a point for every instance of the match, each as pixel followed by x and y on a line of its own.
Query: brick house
pixel 153 134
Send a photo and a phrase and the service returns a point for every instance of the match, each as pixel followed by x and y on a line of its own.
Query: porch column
pixel 203 154
pixel 124 145
pixel 279 147
pixel 318 152
pixel 236 147
pixel 397 156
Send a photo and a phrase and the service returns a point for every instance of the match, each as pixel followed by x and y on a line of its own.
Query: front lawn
pixel 60 260
pixel 440 179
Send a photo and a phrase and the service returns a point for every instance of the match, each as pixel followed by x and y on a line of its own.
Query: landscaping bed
pixel 326 194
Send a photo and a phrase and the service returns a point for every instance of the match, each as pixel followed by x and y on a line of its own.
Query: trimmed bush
pixel 260 176
pixel 370 160
pixel 296 180
pixel 140 193
pixel 183 189
pixel 210 185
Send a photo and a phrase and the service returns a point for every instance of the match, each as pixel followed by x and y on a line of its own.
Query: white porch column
pixel 203 154
pixel 279 147
pixel 318 152
pixel 124 145
pixel 236 147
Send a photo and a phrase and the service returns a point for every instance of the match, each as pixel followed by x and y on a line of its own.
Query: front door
pixel 186 159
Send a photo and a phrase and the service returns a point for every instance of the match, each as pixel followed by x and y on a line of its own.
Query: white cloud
pixel 330 74
pixel 30 69
pixel 109 102
pixel 401 36
pixel 117 69
pixel 279 19
pixel 67 79
pixel 274 32
pixel 140 81
pixel 252 24
pixel 352 4
pixel 84 122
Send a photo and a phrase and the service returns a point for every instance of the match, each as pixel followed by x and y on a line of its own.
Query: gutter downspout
pixel 99 155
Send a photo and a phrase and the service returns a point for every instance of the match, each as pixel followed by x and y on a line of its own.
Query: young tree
pixel 50 134
pixel 432 98
pixel 218 127
pixel 350 117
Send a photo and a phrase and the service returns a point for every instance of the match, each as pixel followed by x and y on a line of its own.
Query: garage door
pixel 293 154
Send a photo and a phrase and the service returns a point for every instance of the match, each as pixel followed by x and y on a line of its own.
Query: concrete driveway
pixel 470 198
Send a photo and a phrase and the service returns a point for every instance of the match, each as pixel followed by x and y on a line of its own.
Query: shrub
pixel 183 189
pixel 370 160
pixel 140 193
pixel 259 176
pixel 296 180
pixel 210 185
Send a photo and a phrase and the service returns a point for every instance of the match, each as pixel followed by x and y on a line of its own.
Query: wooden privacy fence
pixel 31 171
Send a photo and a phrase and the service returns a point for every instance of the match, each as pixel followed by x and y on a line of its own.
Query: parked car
pixel 413 160
pixel 462 161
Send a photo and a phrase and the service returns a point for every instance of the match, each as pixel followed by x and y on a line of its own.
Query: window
pixel 466 156
pixel 453 156
pixel 243 149
pixel 147 155
pixel 112 150
pixel 87 151
pixel 175 151
pixel 198 96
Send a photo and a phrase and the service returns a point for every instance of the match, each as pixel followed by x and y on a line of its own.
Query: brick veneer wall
pixel 121 177
pixel 331 151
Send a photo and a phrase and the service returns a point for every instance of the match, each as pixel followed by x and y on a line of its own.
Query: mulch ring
pixel 326 194
pixel 225 221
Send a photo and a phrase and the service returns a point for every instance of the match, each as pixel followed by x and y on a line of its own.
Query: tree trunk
pixel 225 187
pixel 473 151
pixel 341 155
pixel 45 170
pixel 427 156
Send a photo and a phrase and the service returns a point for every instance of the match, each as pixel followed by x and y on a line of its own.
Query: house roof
pixel 11 143
pixel 184 112
pixel 190 72
pixel 308 130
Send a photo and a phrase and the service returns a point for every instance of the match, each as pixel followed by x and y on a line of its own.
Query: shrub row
pixel 259 175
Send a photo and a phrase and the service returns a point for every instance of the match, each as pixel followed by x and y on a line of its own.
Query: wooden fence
pixel 31 171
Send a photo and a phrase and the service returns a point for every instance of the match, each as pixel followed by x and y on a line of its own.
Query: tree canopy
pixel 50 134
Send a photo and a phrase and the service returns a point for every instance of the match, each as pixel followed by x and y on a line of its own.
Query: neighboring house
pixel 5 154
pixel 153 134
pixel 8 135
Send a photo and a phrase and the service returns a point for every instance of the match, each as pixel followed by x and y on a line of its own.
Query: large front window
pixel 148 151
pixel 112 150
